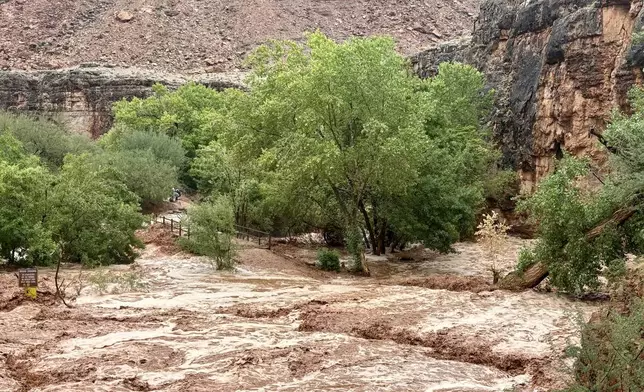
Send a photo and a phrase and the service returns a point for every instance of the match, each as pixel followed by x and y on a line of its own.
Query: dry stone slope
pixel 213 35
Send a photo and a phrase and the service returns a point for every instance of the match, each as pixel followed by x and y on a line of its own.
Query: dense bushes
pixel 611 355
pixel 93 216
pixel 565 213
pixel 328 260
pixel 75 210
pixel 45 139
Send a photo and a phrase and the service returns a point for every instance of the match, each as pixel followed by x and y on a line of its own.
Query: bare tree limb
pixel 58 292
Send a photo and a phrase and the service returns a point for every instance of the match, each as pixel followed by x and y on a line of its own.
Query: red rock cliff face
pixel 559 67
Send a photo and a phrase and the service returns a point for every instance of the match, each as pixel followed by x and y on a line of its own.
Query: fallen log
pixel 523 280
pixel 537 272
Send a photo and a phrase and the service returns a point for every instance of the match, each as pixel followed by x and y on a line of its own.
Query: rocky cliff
pixel 83 97
pixel 558 66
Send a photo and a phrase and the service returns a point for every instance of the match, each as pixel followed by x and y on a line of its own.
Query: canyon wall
pixel 559 67
pixel 82 97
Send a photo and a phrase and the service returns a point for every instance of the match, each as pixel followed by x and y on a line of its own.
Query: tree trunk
pixel 364 237
pixel 367 221
pixel 619 217
pixel 536 273
pixel 374 239
pixel 394 243
pixel 381 237
pixel 519 281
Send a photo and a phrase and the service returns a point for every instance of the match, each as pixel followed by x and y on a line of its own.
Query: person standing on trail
pixel 175 195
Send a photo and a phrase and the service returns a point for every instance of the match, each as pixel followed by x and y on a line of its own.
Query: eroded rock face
pixel 559 68
pixel 83 97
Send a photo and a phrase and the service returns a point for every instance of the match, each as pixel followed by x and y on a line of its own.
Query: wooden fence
pixel 248 233
pixel 175 226
pixel 242 232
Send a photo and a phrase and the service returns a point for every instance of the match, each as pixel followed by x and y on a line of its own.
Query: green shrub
pixel 92 216
pixel 211 232
pixel 611 356
pixel 328 260
pixel 162 146
pixel 45 139
pixel 149 178
pixel 501 184
pixel 564 213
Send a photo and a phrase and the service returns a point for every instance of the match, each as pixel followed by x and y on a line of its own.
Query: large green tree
pixel 193 112
pixel 351 121
pixel 24 236
pixel 93 216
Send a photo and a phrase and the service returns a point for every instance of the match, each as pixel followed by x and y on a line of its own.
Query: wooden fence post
pixel 164 221
pixel 171 225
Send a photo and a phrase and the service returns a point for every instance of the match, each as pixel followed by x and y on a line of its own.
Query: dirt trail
pixel 279 325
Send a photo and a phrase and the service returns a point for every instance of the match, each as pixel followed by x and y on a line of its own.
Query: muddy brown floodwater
pixel 277 324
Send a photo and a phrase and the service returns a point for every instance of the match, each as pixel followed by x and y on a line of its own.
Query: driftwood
pixel 537 272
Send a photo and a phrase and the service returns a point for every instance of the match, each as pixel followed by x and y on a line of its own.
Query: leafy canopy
pixel 77 210
pixel 93 216
pixel 348 128
pixel 338 136
pixel 193 112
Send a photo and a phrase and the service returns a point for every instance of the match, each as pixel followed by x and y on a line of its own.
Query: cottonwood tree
pixel 193 112
pixel 348 127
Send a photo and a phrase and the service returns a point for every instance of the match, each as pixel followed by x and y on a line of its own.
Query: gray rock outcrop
pixel 83 97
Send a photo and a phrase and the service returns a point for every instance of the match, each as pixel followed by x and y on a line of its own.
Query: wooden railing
pixel 241 231
pixel 247 233
pixel 174 226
